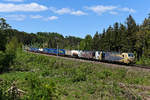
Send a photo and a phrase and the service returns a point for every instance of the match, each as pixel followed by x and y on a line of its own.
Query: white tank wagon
pixel 74 53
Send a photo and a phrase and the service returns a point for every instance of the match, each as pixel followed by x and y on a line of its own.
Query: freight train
pixel 125 58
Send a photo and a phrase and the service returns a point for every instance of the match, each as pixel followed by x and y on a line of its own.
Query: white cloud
pixel 52 18
pixel 78 13
pixel 113 13
pixel 60 11
pixel 32 7
pixel 36 16
pixel 15 17
pixel 67 11
pixel 14 0
pixel 63 11
pixel 130 10
pixel 99 9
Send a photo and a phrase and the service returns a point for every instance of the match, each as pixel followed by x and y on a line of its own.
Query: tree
pixel 82 45
pixel 3 41
pixel 96 42
pixel 7 57
pixel 12 46
pixel 131 33
pixel 109 39
pixel 3 24
pixel 143 39
pixel 123 44
pixel 86 44
pixel 116 38
pixel 139 44
pixel 102 40
pixel 3 38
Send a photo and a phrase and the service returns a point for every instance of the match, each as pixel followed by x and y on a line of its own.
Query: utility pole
pixel 57 49
pixel 57 44
pixel 78 46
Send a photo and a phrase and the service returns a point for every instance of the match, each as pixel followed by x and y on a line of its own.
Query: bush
pixel 144 61
pixel 2 61
pixel 39 90
pixel 7 57
pixel 5 61
pixel 12 46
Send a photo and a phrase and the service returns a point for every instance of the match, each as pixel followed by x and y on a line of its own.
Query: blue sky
pixel 71 17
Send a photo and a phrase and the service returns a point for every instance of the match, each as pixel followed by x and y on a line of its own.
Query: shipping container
pixel 87 54
pixel 54 51
pixel 61 51
pixel 34 49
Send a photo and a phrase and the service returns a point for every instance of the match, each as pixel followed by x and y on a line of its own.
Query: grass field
pixel 47 78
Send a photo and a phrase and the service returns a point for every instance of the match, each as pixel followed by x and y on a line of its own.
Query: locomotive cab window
pixel 130 55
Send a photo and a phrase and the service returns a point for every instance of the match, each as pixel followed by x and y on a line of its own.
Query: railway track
pixel 141 66
pixel 137 67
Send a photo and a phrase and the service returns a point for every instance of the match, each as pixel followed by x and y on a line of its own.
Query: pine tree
pixel 102 40
pixel 116 38
pixel 123 44
pixel 108 39
pixel 3 24
pixel 3 38
pixel 131 33
pixel 96 42
pixel 88 42
pixel 143 40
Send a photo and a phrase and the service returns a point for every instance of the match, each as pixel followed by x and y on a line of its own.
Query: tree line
pixel 127 37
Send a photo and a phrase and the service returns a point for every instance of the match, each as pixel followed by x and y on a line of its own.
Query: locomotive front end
pixel 131 58
pixel 128 58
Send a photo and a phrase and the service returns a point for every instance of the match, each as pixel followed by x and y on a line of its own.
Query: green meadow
pixel 51 78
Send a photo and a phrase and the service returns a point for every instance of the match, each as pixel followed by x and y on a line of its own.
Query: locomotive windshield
pixel 130 55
